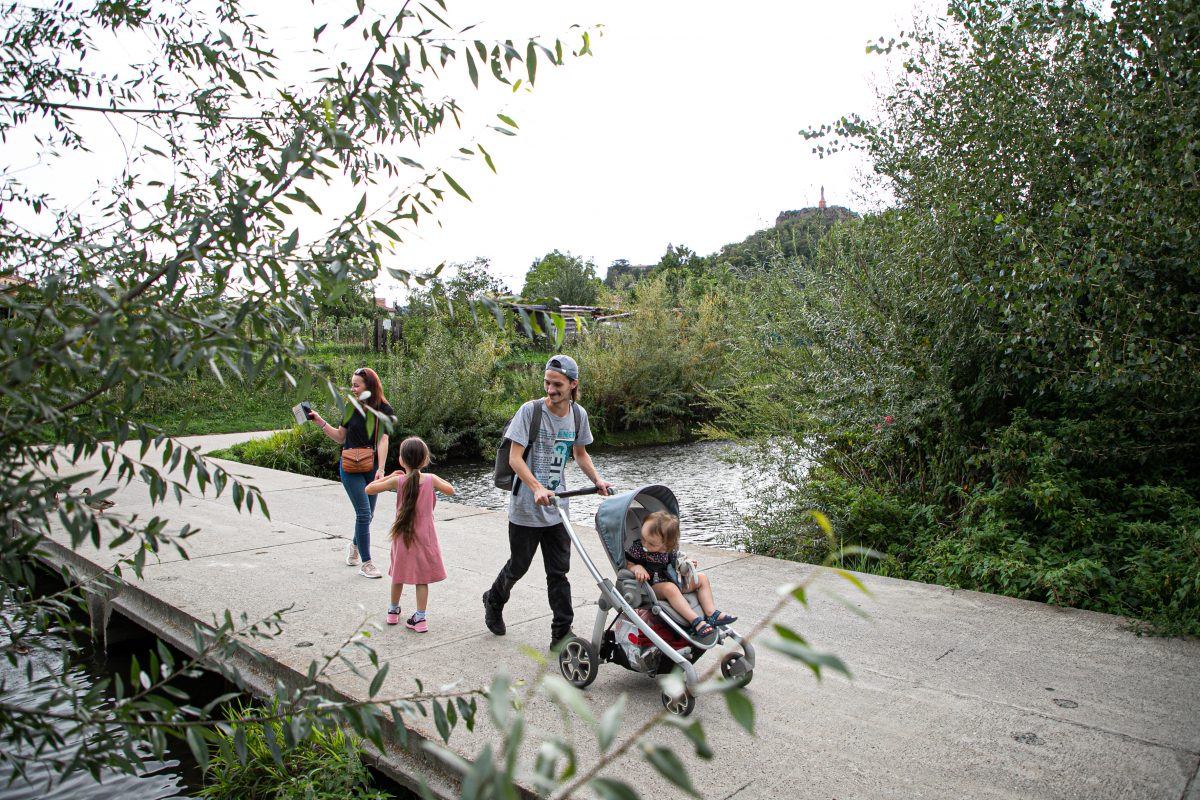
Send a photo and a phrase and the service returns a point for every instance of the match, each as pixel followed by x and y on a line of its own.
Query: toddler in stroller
pixel 655 559
pixel 647 634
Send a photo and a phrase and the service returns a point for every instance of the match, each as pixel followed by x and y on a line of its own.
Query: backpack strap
pixel 535 424
pixel 535 427
pixel 576 416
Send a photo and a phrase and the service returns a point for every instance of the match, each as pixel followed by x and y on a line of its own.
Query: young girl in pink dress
pixel 416 557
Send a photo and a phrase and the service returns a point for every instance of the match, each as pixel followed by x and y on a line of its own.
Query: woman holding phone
pixel 362 429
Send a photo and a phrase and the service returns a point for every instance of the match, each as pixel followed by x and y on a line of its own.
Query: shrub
pixel 450 393
pixel 653 370
pixel 304 449
pixel 323 765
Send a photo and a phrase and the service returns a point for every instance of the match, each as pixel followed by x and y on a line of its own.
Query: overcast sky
pixel 681 129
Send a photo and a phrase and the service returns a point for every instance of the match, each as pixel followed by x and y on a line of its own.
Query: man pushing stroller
pixel 545 434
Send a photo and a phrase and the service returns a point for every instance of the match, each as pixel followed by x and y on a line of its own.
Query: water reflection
pixel 712 491
pixel 158 781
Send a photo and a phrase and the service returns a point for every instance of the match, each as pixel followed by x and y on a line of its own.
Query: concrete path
pixel 955 694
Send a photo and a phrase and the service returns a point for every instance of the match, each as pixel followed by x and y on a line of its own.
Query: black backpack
pixel 503 476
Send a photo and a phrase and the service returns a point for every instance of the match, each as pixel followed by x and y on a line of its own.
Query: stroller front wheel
pixel 733 668
pixel 682 705
pixel 579 662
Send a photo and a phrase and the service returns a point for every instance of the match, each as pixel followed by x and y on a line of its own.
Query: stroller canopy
pixel 619 518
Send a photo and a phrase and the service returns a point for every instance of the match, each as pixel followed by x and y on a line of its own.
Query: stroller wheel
pixel 733 667
pixel 682 705
pixel 579 662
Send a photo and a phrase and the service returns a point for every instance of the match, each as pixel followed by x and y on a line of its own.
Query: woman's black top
pixel 356 428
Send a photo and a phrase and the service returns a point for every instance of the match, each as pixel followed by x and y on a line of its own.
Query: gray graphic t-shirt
pixel 548 461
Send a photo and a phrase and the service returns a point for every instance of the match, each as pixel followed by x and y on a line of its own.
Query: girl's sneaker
pixel 352 556
pixel 393 617
pixel 418 625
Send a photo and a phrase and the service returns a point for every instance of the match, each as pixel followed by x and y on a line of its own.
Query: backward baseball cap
pixel 564 364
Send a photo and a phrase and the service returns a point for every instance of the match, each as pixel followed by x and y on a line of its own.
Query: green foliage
pixel 453 304
pixel 793 238
pixel 687 274
pixel 621 275
pixel 324 764
pixel 356 303
pixel 303 449
pixel 199 403
pixel 1044 529
pixel 208 248
pixel 652 370
pixel 564 278
pixel 997 376
pixel 450 393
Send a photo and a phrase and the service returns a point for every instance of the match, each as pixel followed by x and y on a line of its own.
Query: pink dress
pixel 421 563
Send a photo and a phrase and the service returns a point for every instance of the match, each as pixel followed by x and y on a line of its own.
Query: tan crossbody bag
pixel 361 459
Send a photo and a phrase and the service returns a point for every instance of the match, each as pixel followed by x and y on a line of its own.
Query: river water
pixel 158 780
pixel 711 486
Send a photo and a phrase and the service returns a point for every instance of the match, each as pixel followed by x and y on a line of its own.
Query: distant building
pixel 576 319
pixel 625 273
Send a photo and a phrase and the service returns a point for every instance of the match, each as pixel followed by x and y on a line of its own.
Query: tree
pixel 566 278
pixel 1024 318
pixel 686 272
pixel 794 236
pixel 201 250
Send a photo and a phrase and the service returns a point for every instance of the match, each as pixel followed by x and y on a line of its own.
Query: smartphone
pixel 307 409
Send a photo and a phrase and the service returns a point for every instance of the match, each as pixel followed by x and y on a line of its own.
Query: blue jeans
pixel 355 484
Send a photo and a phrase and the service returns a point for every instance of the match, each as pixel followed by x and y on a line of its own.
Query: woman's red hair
pixel 373 385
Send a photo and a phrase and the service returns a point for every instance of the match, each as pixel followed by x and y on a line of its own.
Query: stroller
pixel 645 635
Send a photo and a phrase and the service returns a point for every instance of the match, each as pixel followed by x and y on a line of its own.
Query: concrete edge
pixel 259 676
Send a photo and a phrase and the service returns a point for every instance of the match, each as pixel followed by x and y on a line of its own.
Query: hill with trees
pixel 795 235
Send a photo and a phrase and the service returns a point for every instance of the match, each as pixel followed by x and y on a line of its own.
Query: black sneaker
pixel 557 642
pixel 492 617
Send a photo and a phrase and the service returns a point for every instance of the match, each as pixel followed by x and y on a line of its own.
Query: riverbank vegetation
pixel 324 763
pixel 992 384
pixel 999 376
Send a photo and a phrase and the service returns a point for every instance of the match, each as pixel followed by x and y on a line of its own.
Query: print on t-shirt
pixel 549 462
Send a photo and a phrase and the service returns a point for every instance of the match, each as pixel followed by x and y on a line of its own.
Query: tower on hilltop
pixel 821 203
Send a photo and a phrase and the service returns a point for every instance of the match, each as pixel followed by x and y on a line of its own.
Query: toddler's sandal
pixel 720 619
pixel 700 627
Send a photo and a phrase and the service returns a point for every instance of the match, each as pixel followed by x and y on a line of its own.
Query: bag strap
pixel 535 427
pixel 369 421
pixel 575 415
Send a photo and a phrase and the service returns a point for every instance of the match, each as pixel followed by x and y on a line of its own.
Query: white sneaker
pixel 352 556
pixel 369 570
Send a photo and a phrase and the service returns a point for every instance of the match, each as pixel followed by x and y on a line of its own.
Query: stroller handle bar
pixel 580 492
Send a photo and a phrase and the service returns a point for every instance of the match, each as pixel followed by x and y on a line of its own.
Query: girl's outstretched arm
pixel 441 485
pixel 384 484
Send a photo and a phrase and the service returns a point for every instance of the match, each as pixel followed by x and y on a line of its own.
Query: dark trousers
pixel 523 542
